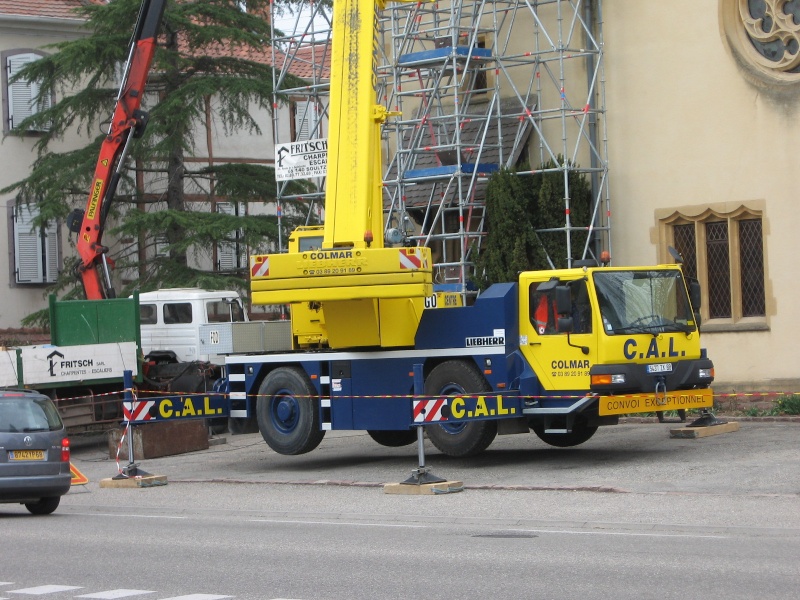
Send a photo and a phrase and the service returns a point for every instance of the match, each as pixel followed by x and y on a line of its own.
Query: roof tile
pixel 54 9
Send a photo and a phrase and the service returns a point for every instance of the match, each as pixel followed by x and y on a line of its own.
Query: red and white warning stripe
pixel 259 266
pixel 429 411
pixel 137 410
pixel 410 258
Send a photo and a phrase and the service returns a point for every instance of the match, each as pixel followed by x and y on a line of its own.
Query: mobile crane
pixel 616 340
pixel 558 352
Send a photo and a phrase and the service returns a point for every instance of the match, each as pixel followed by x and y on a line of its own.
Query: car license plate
pixel 660 368
pixel 26 454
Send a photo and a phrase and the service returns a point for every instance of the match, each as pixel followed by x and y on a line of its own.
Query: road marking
pixel 115 594
pixel 198 597
pixel 44 589
pixel 337 523
pixel 623 533
pixel 127 516
pixel 120 593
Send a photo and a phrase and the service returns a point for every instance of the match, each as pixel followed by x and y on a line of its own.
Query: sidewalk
pixel 761 458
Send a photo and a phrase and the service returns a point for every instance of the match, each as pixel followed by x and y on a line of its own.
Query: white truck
pixel 171 321
pixel 154 335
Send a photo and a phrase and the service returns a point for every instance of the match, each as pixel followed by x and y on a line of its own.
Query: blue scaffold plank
pixel 438 55
pixel 447 170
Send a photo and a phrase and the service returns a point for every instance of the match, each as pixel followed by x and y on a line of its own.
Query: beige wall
pixel 689 127
pixel 16 156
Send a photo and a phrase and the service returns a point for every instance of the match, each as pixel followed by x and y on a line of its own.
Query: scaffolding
pixel 479 85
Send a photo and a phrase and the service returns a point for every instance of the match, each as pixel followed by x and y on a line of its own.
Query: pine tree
pixel 510 245
pixel 520 208
pixel 548 190
pixel 209 61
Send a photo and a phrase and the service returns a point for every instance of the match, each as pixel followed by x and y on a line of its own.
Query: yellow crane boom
pixel 354 279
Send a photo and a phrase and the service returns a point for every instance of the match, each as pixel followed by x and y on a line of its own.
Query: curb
pixel 673 421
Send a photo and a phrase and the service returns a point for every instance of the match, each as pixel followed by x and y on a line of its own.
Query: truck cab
pixel 627 336
pixel 171 320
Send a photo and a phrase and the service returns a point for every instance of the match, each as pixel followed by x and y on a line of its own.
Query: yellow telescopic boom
pixel 353 199
pixel 353 264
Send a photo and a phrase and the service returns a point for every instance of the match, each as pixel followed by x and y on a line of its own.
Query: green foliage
pixel 788 404
pixel 206 61
pixel 521 210
pixel 511 245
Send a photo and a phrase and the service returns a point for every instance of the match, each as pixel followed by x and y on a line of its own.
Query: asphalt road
pixel 631 513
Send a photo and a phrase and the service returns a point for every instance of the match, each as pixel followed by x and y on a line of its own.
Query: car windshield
pixel 643 302
pixel 27 414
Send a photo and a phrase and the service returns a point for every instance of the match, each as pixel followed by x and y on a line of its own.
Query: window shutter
pixel 28 263
pixel 22 94
pixel 161 246
pixel 227 258
pixel 51 255
pixel 305 120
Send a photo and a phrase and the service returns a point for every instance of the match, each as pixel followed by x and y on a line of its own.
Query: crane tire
pixel 580 433
pixel 240 426
pixel 393 439
pixel 451 378
pixel 288 411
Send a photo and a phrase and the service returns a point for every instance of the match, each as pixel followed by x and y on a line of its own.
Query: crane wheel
pixel 288 411
pixel 453 378
pixel 394 439
pixel 580 433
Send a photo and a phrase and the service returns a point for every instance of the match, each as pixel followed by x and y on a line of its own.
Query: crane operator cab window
pixel 544 308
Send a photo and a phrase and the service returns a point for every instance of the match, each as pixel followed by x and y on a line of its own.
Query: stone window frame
pixel 666 219
pixel 733 14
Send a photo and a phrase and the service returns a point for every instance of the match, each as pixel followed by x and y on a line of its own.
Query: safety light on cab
pixel 608 379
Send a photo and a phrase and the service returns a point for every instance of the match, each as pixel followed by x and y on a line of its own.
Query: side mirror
pixel 565 325
pixel 695 299
pixel 694 294
pixel 563 300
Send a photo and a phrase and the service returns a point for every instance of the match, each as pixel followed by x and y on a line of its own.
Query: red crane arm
pixel 127 123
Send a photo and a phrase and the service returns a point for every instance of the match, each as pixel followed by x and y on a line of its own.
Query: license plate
pixel 26 454
pixel 639 403
pixel 660 368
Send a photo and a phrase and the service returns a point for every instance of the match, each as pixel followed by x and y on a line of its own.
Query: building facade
pixel 703 104
pixel 700 107
pixel 36 255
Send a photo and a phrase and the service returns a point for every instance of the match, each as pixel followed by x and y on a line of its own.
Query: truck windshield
pixel 643 302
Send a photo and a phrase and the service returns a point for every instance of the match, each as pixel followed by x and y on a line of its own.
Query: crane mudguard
pixel 127 123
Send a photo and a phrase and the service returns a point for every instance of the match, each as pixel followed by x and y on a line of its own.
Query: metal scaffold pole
pixel 479 86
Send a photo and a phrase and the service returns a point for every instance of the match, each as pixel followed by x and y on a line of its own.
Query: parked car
pixel 34 452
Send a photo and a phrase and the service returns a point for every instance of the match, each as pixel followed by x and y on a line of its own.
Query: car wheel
pixel 44 506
